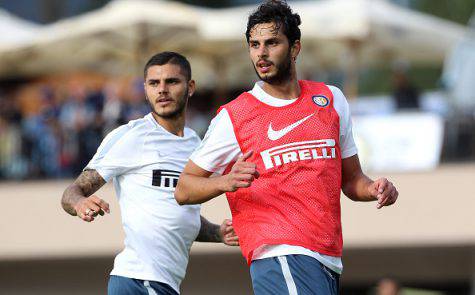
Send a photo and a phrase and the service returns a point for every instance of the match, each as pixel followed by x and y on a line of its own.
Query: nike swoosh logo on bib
pixel 276 134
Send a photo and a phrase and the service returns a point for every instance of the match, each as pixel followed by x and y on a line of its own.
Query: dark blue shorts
pixel 126 286
pixel 293 274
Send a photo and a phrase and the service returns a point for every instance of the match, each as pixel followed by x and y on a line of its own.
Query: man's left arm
pixel 224 233
pixel 359 187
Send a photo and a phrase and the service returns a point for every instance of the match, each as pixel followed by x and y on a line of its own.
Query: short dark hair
pixel 169 57
pixel 281 14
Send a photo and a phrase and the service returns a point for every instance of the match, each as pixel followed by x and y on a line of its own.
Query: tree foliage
pixel 210 3
pixel 455 10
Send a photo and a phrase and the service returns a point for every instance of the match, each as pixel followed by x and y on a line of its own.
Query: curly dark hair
pixel 281 14
pixel 169 57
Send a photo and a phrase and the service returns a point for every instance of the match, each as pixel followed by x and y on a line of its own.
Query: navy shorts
pixel 293 274
pixel 126 286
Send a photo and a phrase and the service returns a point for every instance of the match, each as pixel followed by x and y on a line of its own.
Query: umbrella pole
pixel 221 88
pixel 352 68
pixel 142 46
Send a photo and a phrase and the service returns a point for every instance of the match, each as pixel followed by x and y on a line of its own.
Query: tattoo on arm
pixel 87 183
pixel 209 232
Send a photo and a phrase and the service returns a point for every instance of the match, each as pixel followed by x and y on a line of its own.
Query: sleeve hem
pixel 101 172
pixel 205 166
pixel 349 153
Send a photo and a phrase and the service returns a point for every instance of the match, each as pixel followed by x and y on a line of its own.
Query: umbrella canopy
pixel 14 30
pixel 344 34
pixel 113 39
pixel 380 25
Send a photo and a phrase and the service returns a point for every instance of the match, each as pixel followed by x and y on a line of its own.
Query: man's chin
pixel 167 113
pixel 266 77
pixel 270 79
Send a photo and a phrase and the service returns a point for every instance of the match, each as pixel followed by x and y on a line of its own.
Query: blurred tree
pixel 51 10
pixel 93 4
pixel 454 10
pixel 210 3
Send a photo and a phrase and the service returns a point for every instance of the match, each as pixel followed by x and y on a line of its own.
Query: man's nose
pixel 162 88
pixel 262 51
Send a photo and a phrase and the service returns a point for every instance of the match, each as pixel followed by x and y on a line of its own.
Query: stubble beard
pixel 282 74
pixel 177 112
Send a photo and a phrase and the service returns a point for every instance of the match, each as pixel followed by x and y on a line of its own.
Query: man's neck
pixel 175 125
pixel 288 89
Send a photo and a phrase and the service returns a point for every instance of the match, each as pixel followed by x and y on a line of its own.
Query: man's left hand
pixel 384 191
pixel 227 233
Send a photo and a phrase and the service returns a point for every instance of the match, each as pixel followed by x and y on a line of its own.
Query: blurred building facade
pixel 425 242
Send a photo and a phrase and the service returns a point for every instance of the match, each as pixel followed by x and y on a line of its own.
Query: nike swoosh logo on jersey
pixel 276 134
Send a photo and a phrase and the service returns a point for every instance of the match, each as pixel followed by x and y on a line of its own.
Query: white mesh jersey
pixel 144 161
pixel 220 147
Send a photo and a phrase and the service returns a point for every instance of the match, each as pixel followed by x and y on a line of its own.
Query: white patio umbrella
pixel 14 30
pixel 113 39
pixel 345 34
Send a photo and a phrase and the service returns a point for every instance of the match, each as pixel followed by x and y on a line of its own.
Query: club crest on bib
pixel 321 100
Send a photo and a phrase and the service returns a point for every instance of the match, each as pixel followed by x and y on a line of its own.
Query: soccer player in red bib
pixel 282 152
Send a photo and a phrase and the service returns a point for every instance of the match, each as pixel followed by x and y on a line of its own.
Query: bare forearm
pixel 357 188
pixel 192 189
pixel 71 196
pixel 85 185
pixel 209 232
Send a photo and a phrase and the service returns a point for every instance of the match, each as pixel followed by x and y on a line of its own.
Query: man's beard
pixel 180 107
pixel 282 74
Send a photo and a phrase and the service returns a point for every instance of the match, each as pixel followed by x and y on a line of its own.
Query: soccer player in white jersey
pixel 284 151
pixel 145 158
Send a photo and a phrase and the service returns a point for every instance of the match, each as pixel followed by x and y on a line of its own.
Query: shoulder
pixel 322 88
pixel 339 99
pixel 220 128
pixel 192 134
pixel 238 101
pixel 127 135
pixel 336 91
pixel 222 118
pixel 140 124
pixel 341 106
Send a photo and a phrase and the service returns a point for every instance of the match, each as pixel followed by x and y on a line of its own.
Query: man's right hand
pixel 242 174
pixel 88 208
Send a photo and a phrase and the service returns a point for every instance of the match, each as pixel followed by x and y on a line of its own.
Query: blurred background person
pixel 387 286
pixel 405 93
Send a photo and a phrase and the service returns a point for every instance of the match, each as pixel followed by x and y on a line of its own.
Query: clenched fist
pixel 384 191
pixel 88 208
pixel 242 174
pixel 227 233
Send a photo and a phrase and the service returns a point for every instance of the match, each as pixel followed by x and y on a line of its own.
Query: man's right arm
pixel 195 185
pixel 78 199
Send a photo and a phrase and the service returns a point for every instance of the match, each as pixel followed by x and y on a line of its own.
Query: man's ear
pixel 295 49
pixel 191 87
